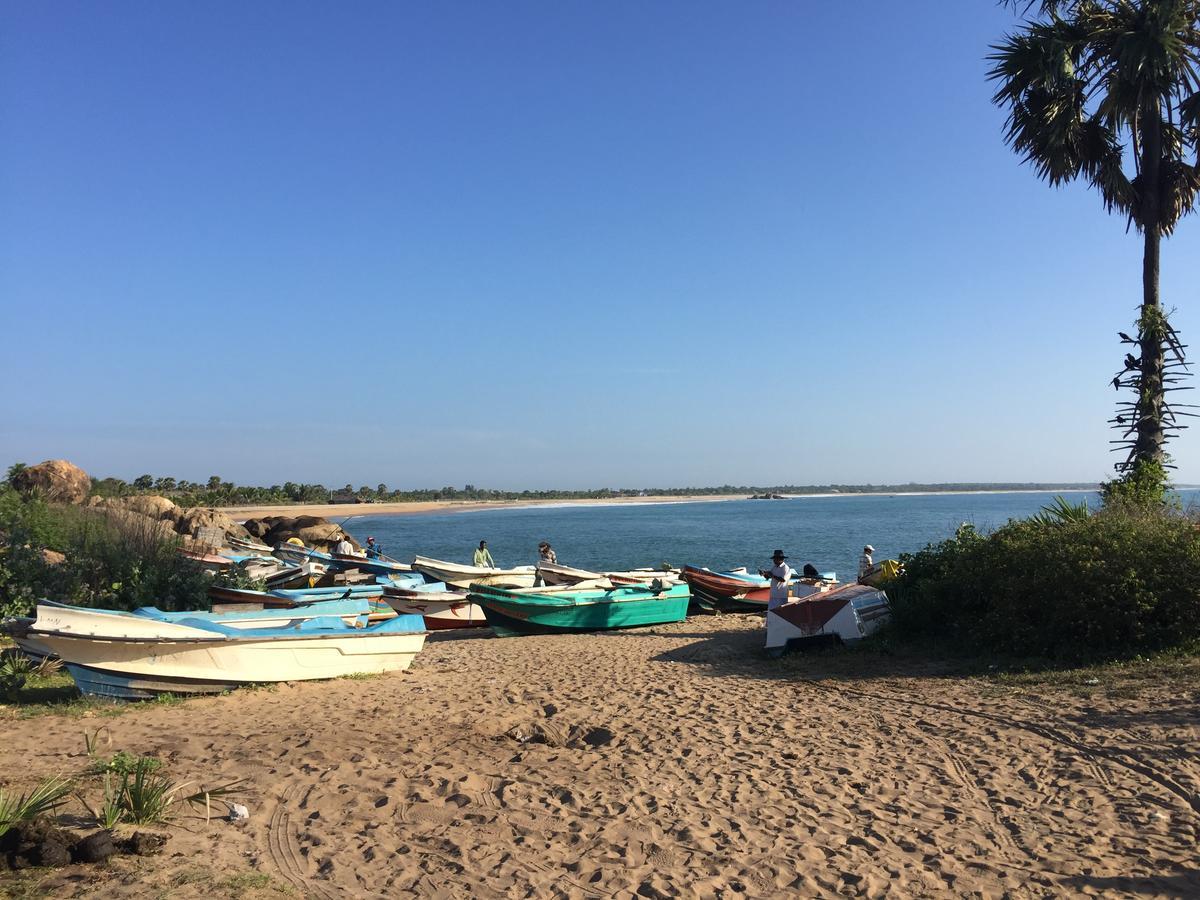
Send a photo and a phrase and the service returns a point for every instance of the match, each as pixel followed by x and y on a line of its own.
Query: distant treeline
pixel 218 492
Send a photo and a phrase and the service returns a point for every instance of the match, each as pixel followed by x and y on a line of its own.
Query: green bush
pixel 113 561
pixel 1123 581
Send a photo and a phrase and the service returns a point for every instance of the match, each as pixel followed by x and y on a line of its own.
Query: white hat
pixel 868 549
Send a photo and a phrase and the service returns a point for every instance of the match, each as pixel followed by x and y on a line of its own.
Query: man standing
pixel 865 563
pixel 343 547
pixel 483 559
pixel 780 574
pixel 374 551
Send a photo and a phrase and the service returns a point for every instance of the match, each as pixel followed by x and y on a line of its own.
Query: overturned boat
pixel 844 614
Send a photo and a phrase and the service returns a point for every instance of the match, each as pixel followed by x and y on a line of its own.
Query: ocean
pixel 828 531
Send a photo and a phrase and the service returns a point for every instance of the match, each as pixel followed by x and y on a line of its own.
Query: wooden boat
pixel 553 573
pixel 248 546
pixel 556 610
pixel 727 591
pixel 441 609
pixel 462 576
pixel 844 614
pixel 372 565
pixel 132 657
pixel 299 554
pixel 301 576
pixel 212 561
pixel 91 621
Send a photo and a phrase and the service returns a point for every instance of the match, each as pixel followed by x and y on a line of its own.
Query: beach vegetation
pixel 1112 584
pixel 1107 92
pixel 139 793
pixel 93 557
pixel 45 797
pixel 122 763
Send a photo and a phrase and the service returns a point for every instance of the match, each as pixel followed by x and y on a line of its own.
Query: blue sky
pixel 547 244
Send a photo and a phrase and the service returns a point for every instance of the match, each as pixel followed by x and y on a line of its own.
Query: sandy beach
pixel 342 510
pixel 673 761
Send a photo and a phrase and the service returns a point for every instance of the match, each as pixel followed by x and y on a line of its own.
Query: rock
pixel 143 843
pixel 94 848
pixel 53 557
pixel 149 505
pixel 190 520
pixel 257 528
pixel 38 844
pixel 314 531
pixel 326 534
pixel 56 480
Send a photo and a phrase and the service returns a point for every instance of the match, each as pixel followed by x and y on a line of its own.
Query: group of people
pixel 373 550
pixel 781 573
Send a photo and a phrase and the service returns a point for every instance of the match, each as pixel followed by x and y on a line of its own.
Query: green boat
pixel 555 610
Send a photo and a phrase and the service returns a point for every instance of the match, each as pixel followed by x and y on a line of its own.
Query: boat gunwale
pixel 350 632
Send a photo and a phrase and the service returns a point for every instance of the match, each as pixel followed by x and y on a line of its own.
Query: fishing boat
pixel 300 576
pixel 244 545
pixel 211 561
pixel 556 610
pixel 135 657
pixel 462 576
pixel 555 574
pixel 731 591
pixel 442 609
pixel 298 554
pixel 372 565
pixel 90 621
pixel 845 614
pixel 226 600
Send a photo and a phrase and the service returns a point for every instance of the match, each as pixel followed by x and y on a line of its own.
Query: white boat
pixel 440 609
pixel 844 614
pixel 136 657
pixel 461 576
pixel 553 573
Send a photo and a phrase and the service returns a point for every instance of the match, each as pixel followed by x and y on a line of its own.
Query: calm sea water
pixel 827 531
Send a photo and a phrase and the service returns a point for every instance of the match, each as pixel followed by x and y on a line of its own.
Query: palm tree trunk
pixel 1151 437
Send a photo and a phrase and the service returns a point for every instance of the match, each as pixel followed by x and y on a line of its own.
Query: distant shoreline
pixel 441 507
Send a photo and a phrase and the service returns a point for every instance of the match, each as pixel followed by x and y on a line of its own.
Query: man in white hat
pixel 780 574
pixel 865 563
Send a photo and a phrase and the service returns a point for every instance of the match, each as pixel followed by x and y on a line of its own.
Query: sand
pixel 673 761
pixel 340 511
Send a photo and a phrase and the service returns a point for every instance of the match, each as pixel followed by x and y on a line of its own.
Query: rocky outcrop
pixel 314 531
pixel 191 520
pixel 56 480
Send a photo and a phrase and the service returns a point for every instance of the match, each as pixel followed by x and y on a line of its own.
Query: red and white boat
pixel 441 610
pixel 843 614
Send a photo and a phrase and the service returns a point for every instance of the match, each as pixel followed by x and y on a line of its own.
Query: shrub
pixel 1116 583
pixel 118 561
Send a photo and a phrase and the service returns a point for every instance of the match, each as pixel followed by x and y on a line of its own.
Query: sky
pixel 547 244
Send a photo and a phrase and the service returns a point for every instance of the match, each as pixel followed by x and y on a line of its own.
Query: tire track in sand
pixel 1146 770
pixel 285 853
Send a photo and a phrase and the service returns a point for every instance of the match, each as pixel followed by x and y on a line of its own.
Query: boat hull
pixel 441 612
pixel 461 576
pixel 719 592
pixel 137 668
pixel 512 613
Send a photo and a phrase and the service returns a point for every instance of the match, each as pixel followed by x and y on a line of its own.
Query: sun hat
pixel 868 549
pixel 778 554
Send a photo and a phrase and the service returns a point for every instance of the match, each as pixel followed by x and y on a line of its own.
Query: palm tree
pixel 1088 83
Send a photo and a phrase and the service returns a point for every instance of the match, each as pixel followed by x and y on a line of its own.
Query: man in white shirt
pixel 344 547
pixel 865 563
pixel 780 574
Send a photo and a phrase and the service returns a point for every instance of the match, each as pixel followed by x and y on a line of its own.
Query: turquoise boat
pixel 512 612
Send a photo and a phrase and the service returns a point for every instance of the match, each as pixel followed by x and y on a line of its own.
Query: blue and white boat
pixel 137 655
